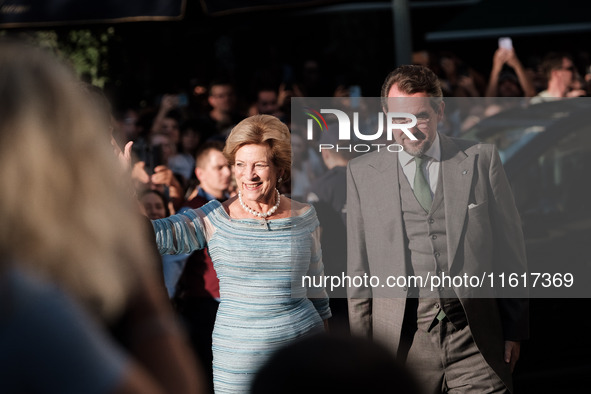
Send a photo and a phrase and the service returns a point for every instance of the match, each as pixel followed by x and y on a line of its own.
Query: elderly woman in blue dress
pixel 261 244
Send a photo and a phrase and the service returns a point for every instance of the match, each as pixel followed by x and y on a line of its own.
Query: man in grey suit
pixel 441 207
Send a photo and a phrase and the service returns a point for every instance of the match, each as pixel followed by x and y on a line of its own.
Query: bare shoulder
pixel 231 206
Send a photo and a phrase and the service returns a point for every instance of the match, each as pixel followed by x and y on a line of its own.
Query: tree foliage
pixel 84 49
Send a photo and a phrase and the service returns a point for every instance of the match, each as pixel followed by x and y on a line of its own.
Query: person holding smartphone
pixel 508 77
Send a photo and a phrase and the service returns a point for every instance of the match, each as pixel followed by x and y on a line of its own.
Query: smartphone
pixel 155 155
pixel 505 43
pixel 150 155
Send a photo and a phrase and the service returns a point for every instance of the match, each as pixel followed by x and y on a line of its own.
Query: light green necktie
pixel 421 186
pixel 423 193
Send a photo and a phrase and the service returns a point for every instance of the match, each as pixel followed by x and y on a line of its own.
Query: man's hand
pixel 512 349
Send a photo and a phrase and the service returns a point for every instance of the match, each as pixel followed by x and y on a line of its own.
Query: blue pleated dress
pixel 260 265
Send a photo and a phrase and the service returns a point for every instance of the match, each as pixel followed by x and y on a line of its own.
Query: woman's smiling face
pixel 255 173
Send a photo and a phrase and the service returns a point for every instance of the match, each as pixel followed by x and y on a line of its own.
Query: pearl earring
pixel 280 180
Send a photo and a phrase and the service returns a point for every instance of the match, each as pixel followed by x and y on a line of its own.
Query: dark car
pixel 546 151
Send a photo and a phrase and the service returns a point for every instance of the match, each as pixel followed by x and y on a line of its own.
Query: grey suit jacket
pixel 483 234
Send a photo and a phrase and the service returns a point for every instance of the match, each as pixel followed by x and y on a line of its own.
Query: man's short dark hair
pixel 553 61
pixel 412 79
pixel 220 82
pixel 203 152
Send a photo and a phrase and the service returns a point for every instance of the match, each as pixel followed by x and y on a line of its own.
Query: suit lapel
pixel 387 200
pixel 457 178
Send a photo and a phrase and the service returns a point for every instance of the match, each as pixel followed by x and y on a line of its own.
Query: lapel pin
pixel 464 172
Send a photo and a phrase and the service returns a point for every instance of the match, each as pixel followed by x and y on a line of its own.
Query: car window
pixel 557 181
pixel 513 129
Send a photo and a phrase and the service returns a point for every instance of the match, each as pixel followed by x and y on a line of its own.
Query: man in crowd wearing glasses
pixel 560 73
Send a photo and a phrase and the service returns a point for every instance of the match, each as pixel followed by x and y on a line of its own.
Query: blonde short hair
pixel 67 214
pixel 262 129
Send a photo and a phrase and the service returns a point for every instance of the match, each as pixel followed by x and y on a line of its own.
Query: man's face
pixel 222 98
pixel 215 175
pixel 418 104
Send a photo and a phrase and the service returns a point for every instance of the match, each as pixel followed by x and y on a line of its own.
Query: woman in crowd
pixel 81 309
pixel 153 204
pixel 261 244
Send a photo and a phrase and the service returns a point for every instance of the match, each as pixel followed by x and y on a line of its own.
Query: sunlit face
pixel 256 175
pixel 215 176
pixel 420 106
pixel 153 206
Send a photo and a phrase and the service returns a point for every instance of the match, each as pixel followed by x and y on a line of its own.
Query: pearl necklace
pixel 260 214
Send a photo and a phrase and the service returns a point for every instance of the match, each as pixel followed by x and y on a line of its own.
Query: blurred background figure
pixel 82 309
pixel 183 162
pixel 458 78
pixel 126 125
pixel 154 205
pixel 224 112
pixel 266 103
pixel 151 171
pixel 169 117
pixel 560 72
pixel 307 165
pixel 508 80
pixel 508 77
pixel 328 194
pixel 197 294
pixel 300 172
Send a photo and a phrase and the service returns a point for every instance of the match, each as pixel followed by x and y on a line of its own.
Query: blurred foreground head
pixel 65 212
pixel 326 363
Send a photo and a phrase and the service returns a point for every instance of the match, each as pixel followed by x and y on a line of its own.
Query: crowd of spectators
pixel 168 135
